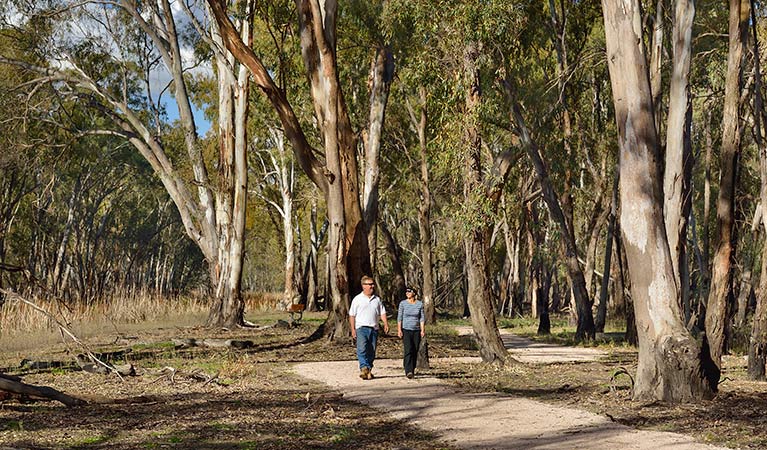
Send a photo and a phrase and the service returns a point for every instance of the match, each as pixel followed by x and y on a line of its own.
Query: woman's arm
pixel 422 321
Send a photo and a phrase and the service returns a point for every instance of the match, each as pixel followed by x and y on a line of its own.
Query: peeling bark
pixel 671 364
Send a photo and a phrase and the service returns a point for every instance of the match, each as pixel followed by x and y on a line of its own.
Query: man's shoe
pixel 365 373
pixel 410 375
pixel 370 375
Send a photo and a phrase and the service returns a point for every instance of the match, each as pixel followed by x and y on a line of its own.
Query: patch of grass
pixel 58 371
pixel 174 439
pixel 92 440
pixel 14 425
pixel 164 345
pixel 342 435
pixel 208 366
pixel 221 426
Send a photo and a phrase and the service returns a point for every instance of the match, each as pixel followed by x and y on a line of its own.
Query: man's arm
pixel 385 321
pixel 354 330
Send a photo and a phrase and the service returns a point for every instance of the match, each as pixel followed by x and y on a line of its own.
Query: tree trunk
pixel 544 323
pixel 656 64
pixel 757 346
pixel 228 306
pixel 510 264
pixel 338 179
pixel 585 327
pixel 476 243
pixel 704 267
pixel 719 299
pixel 18 387
pixel 678 161
pixel 310 281
pixel 60 254
pixel 398 282
pixel 599 216
pixel 670 367
pixel 424 210
pixel 381 75
pixel 599 324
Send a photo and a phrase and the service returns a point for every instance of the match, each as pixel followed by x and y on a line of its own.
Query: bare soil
pixel 254 399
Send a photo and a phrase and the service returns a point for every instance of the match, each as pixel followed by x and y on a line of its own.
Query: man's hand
pixel 423 332
pixel 386 328
pixel 399 334
pixel 354 333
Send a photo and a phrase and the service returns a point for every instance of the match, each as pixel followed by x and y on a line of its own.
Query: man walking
pixel 364 313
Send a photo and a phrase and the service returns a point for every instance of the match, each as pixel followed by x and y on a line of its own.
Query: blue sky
pixel 203 125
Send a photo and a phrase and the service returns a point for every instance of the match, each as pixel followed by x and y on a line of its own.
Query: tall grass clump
pixel 118 310
pixel 17 317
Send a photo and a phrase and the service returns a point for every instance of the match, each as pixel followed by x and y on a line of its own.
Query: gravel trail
pixel 489 420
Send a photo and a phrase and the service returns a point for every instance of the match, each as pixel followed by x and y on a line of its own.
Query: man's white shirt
pixel 366 310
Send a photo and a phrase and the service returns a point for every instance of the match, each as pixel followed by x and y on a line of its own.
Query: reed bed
pixel 118 313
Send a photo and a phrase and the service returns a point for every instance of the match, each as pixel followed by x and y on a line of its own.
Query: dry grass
pixel 22 328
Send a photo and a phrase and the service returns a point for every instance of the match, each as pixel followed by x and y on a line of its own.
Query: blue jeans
pixel 366 346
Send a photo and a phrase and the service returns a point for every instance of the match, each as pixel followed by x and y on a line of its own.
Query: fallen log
pixel 17 387
pixel 237 344
pixel 82 362
pixel 126 370
pixel 29 364
pixel 10 377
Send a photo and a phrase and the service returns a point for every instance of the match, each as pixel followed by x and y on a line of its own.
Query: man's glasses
pixel 368 284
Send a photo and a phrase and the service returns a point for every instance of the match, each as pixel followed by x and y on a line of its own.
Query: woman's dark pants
pixel 411 341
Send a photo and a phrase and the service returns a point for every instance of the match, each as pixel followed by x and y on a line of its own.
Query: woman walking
pixel 411 323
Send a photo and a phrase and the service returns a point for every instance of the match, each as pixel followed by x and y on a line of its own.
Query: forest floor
pixel 264 397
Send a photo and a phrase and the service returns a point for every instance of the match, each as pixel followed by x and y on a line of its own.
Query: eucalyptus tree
pixel 82 220
pixel 107 55
pixel 419 123
pixel 279 176
pixel 721 273
pixel 22 129
pixel 672 365
pixel 553 56
pixel 469 33
pixel 757 346
pixel 337 176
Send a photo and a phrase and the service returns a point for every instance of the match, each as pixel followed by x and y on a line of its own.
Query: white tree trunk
pixel 670 367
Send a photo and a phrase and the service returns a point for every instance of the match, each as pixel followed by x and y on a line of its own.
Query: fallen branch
pixel 62 329
pixel 18 387
pixel 614 378
pixel 197 375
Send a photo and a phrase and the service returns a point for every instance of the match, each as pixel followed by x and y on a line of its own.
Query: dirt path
pixel 487 420
pixel 529 351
